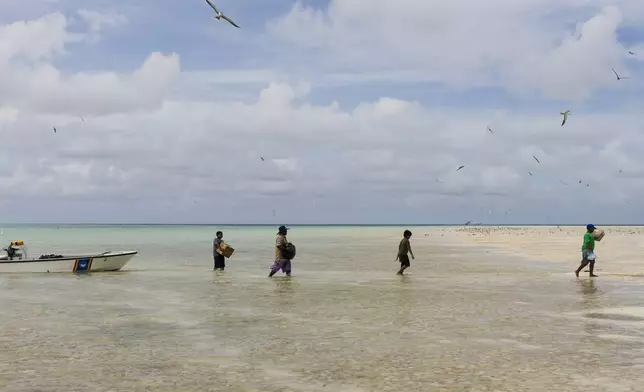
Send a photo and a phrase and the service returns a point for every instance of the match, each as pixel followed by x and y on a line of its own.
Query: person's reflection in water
pixel 404 303
pixel 591 294
pixel 591 300
pixel 284 291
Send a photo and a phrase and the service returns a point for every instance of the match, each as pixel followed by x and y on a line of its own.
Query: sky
pixel 362 111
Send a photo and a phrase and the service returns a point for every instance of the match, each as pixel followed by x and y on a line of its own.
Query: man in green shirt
pixel 588 251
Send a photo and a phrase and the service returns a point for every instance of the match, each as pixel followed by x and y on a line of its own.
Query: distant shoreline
pixel 9 225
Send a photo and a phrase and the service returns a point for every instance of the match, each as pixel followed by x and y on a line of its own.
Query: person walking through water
pixel 281 262
pixel 588 251
pixel 403 249
pixel 220 260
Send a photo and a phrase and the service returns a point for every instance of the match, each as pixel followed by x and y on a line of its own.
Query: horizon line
pixel 7 224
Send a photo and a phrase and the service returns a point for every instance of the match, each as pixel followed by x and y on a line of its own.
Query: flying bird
pixel 492 132
pixel 437 180
pixel 460 167
pixel 535 158
pixel 565 114
pixel 54 129
pixel 631 53
pixel 529 173
pixel 262 158
pixel 82 119
pixel 619 77
pixel 219 15
pixel 620 170
pixel 561 181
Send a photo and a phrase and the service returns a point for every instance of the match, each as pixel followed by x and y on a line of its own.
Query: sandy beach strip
pixel 618 253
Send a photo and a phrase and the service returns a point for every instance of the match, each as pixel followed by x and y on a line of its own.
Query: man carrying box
pixel 220 260
pixel 588 251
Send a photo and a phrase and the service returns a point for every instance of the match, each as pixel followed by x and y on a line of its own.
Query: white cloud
pixel 40 87
pixel 34 40
pixel 523 46
pixel 165 136
pixel 45 90
pixel 286 164
pixel 97 21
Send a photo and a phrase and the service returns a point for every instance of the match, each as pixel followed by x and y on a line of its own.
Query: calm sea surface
pixel 462 320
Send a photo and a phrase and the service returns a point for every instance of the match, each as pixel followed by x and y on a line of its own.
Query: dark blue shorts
pixel 220 261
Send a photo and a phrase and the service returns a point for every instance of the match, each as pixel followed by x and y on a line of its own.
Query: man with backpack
pixel 284 252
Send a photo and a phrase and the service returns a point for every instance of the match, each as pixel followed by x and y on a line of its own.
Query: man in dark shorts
pixel 403 249
pixel 220 260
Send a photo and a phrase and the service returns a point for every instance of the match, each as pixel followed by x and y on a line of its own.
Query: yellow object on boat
pixel 18 243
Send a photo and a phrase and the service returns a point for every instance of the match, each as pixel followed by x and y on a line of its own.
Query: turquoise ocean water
pixel 462 320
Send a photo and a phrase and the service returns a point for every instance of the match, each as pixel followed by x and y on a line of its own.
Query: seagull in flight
pixel 219 15
pixel 439 181
pixel 631 53
pixel 262 158
pixel 82 119
pixel 535 158
pixel 460 167
pixel 562 182
pixel 619 77
pixel 54 129
pixel 565 114
pixel 492 132
pixel 529 173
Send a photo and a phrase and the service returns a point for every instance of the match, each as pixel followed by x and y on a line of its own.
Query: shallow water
pixel 460 321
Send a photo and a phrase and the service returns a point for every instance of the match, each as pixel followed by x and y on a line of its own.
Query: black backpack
pixel 289 251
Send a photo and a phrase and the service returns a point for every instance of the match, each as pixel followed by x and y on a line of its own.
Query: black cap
pixel 282 228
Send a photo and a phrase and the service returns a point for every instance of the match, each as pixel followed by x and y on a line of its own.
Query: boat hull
pixel 112 261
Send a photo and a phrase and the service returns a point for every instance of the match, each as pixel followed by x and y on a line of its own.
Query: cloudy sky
pixel 362 110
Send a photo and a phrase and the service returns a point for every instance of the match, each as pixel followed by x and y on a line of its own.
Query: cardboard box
pixel 226 250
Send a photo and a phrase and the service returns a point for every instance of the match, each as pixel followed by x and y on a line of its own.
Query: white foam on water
pixel 635 311
pixel 508 342
pixel 286 379
pixel 606 384
pixel 624 338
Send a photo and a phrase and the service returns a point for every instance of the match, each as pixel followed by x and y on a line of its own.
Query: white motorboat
pixel 15 260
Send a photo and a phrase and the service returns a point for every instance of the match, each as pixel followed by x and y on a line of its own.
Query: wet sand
pixel 470 316
pixel 619 253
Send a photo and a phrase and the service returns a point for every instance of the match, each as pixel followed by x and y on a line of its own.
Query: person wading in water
pixel 588 251
pixel 281 262
pixel 403 248
pixel 220 260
